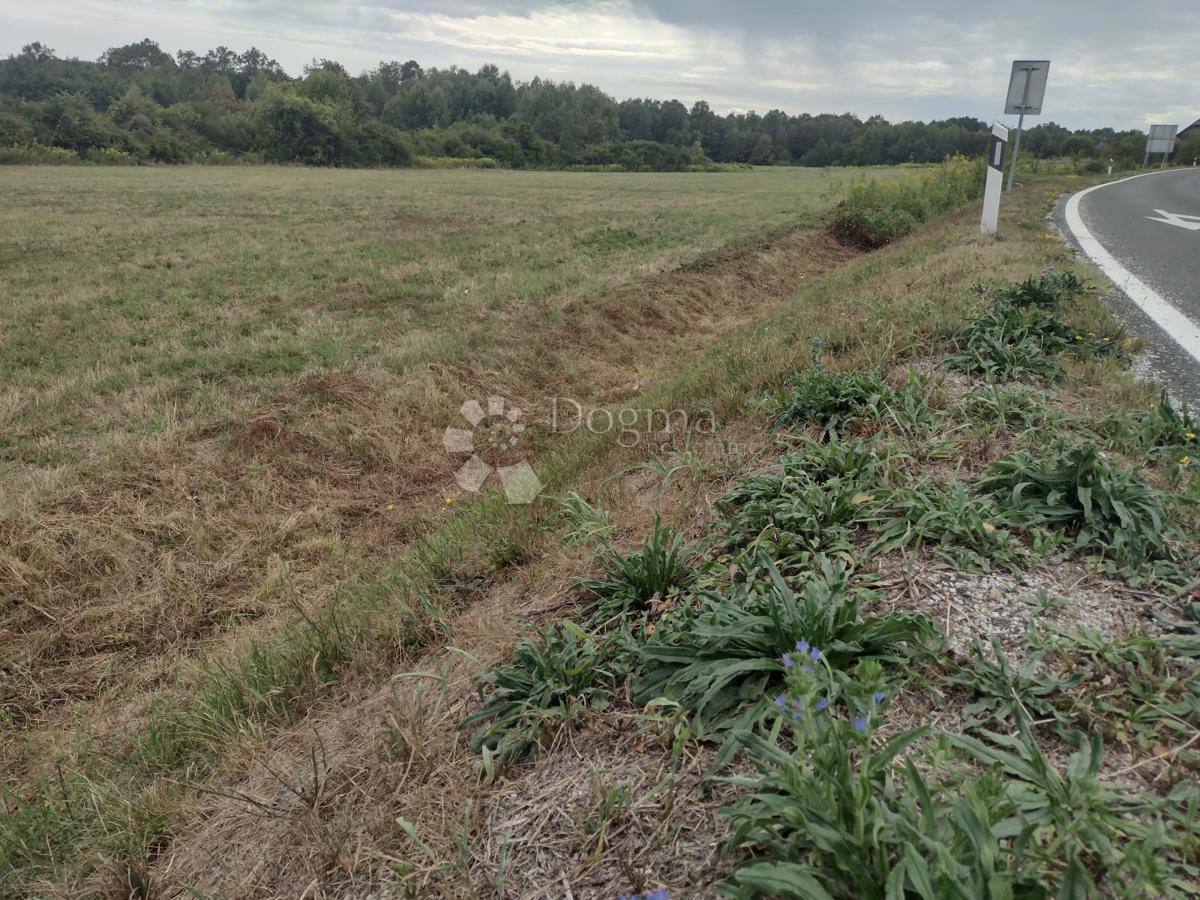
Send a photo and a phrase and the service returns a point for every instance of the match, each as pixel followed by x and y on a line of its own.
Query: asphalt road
pixel 1145 233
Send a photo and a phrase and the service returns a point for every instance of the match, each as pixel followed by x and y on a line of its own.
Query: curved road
pixel 1144 232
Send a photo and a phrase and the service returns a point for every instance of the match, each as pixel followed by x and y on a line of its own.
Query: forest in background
pixel 138 104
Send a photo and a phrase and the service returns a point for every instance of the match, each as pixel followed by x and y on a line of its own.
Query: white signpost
pixel 1026 90
pixel 1161 140
pixel 995 179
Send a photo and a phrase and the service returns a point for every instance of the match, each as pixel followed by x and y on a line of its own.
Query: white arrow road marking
pixel 1179 220
pixel 1177 325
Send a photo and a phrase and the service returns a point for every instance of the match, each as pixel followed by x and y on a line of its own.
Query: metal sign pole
pixel 1012 169
pixel 1012 166
pixel 1026 90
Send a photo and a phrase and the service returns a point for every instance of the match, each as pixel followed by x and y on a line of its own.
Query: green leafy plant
pixel 719 656
pixel 1139 689
pixel 910 410
pixel 668 467
pixel 1012 407
pixel 1003 692
pixel 1047 290
pixel 630 581
pixel 1022 331
pixel 1077 826
pixel 548 685
pixel 1183 628
pixel 813 507
pixel 834 818
pixel 965 530
pixel 584 520
pixel 1166 432
pixel 832 399
pixel 1108 509
pixel 1009 342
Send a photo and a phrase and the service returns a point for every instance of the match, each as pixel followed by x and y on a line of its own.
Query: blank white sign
pixel 1162 138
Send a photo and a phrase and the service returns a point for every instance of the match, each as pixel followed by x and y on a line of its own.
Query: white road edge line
pixel 1178 326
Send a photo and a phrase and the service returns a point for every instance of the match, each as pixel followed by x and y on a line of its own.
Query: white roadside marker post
pixel 994 180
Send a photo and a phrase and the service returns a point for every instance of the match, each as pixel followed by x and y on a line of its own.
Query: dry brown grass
pixel 386 746
pixel 149 549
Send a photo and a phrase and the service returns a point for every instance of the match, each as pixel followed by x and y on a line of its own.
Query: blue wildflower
pixel 859 724
pixel 788 662
pixel 821 705
pixel 658 895
pixel 781 701
pixel 797 715
pixel 808 670
pixel 802 646
pixel 879 696
pixel 816 653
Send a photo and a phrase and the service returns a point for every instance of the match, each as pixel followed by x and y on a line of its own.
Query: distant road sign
pixel 1162 138
pixel 1027 87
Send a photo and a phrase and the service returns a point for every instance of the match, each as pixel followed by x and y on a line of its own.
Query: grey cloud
pixel 1113 62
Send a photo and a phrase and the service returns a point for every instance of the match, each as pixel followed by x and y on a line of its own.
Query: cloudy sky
pixel 1115 62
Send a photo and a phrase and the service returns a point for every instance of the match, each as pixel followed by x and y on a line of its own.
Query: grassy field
pixel 222 390
pixel 918 449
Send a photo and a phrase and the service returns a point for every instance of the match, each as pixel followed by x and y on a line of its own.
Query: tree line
pixel 137 103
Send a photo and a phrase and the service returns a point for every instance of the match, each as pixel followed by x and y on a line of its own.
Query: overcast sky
pixel 1115 62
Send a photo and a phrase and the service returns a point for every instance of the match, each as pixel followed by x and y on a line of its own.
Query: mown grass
pixel 222 390
pixel 855 313
pixel 221 400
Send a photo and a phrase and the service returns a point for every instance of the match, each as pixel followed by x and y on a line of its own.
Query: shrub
pixel 875 213
pixel 639 156
pixel 109 156
pixel 36 154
